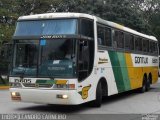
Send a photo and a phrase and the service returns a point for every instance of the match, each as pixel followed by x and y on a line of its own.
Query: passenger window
pixel 129 42
pixel 120 41
pixel 138 44
pixel 151 47
pixel 156 47
pixel 132 42
pixel 115 38
pixel 100 35
pixel 108 37
pixel 145 45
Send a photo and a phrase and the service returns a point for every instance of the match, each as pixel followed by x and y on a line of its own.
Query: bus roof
pixel 77 15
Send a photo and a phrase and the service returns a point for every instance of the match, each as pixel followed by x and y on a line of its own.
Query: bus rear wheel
pixel 144 85
pixel 148 84
pixel 97 102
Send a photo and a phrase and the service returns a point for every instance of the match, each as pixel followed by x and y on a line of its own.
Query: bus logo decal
pixel 84 92
pixel 102 60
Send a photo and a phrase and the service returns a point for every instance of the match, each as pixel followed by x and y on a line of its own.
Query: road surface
pixel 129 103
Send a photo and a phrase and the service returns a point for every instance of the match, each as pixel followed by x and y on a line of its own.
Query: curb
pixel 4 87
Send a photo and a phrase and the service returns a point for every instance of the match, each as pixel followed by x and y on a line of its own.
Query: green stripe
pixel 45 81
pixel 120 70
pixel 124 70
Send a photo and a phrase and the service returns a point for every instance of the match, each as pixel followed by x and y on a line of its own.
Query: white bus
pixel 73 58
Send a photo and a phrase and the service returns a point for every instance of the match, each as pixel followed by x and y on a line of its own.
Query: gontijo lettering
pixel 141 60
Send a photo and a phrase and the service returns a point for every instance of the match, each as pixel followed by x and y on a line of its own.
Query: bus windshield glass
pixel 57 58
pixel 46 27
pixel 25 57
pixel 44 58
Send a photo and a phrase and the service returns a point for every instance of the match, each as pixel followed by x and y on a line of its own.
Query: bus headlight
pixel 16 96
pixel 62 96
pixel 15 85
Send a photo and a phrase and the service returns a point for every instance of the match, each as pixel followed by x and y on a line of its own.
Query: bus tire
pixel 97 102
pixel 148 84
pixel 143 88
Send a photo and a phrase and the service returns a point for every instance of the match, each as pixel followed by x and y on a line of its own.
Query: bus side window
pixel 145 45
pixel 140 44
pixel 119 38
pixel 100 35
pixel 156 46
pixel 108 37
pixel 132 42
pixel 136 44
pixel 85 58
pixel 129 41
pixel 87 28
pixel 115 38
pixel 155 49
pixel 83 62
pixel 151 48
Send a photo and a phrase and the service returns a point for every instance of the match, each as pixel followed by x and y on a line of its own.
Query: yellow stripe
pixel 119 26
pixel 131 72
pixel 4 87
pixel 61 82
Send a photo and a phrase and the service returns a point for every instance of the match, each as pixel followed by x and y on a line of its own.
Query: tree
pixel 141 15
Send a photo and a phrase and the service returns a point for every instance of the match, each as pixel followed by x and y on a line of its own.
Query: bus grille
pixel 33 85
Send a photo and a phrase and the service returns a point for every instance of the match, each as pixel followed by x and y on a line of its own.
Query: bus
pixel 74 58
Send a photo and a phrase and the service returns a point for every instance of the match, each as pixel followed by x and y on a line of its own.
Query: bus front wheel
pixel 97 102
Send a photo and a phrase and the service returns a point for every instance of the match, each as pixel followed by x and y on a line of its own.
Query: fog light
pixel 62 96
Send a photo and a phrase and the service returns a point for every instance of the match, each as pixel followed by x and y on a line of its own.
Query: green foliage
pixel 141 15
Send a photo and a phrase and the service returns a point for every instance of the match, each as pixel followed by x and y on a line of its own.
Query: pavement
pixel 133 104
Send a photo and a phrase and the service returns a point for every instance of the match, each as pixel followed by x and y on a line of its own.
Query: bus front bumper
pixel 63 97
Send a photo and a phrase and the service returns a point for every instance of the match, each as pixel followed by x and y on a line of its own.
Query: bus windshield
pixel 57 58
pixel 45 58
pixel 25 57
pixel 46 27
